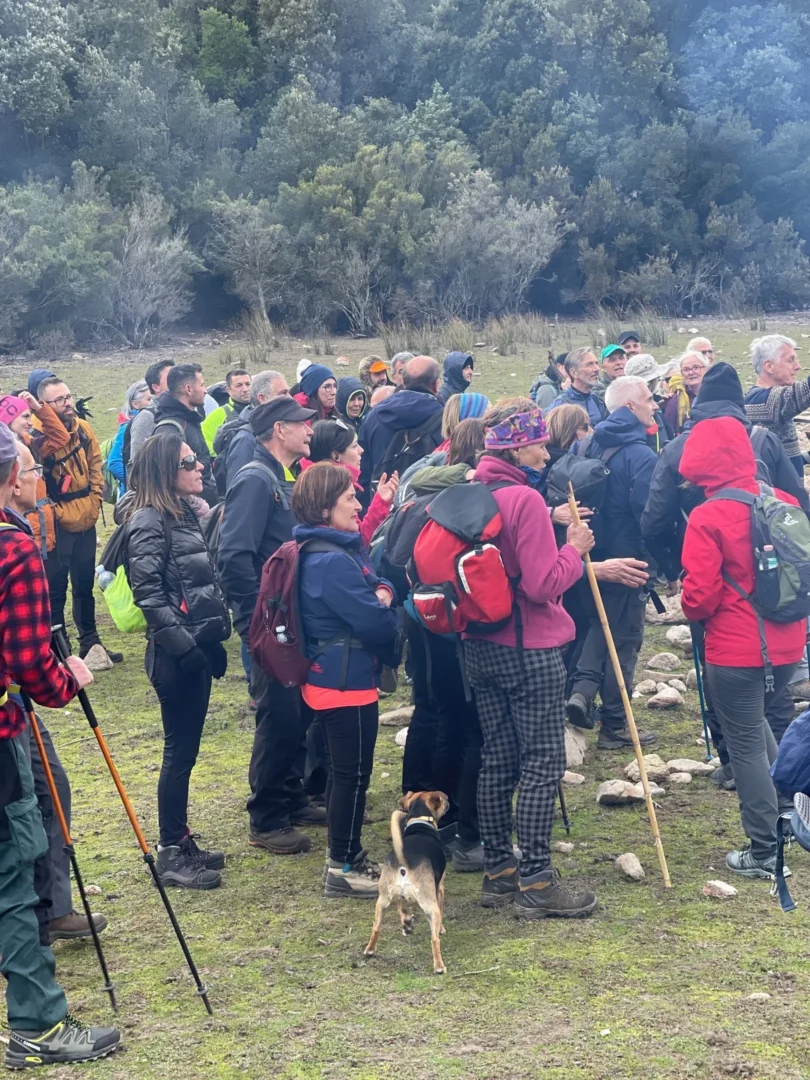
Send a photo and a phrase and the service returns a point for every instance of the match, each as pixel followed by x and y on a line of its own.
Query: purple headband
pixel 521 429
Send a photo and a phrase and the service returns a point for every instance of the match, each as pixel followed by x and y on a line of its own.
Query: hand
pixel 192 661
pixel 383 595
pixel 80 671
pixel 32 402
pixel 469 475
pixel 219 660
pixel 580 538
pixel 673 588
pixel 630 572
pixel 387 489
pixel 561 515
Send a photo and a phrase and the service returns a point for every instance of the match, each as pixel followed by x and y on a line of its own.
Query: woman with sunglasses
pixel 173 583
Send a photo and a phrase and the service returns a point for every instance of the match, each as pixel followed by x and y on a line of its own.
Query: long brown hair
pixel 317 490
pixel 466 442
pixel 563 423
pixel 153 475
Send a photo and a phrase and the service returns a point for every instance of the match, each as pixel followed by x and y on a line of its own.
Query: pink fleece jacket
pixel 528 549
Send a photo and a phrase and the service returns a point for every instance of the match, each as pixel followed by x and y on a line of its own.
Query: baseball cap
pixel 629 335
pixel 9 447
pixel 645 367
pixel 378 365
pixel 263 417
pixel 609 350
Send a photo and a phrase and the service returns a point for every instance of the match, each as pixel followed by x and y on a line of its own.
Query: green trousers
pixel 34 999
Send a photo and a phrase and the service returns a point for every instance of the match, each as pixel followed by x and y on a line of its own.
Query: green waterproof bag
pixel 126 615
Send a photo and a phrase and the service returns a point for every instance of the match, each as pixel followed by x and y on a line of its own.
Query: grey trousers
pixel 739 703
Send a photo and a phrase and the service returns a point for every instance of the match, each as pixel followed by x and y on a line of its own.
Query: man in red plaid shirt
pixel 42 1031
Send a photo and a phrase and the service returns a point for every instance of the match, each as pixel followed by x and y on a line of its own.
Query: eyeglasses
pixel 189 463
pixel 38 470
pixel 60 401
pixel 692 370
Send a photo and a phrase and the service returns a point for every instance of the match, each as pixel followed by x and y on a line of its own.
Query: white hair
pixel 768 348
pixel 261 384
pixel 698 343
pixel 625 388
pixel 690 354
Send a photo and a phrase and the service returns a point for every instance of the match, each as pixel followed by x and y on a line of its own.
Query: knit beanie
pixel 473 406
pixel 37 376
pixel 721 383
pixel 11 407
pixel 314 377
pixel 521 429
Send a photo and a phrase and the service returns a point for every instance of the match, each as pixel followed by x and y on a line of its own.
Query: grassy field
pixel 656 983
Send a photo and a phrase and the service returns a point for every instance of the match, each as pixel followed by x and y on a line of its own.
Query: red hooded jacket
pixel 718 454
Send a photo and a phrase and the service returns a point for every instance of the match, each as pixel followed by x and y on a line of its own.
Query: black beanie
pixel 721 383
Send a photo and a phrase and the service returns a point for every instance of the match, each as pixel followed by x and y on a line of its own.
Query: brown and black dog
pixel 413 873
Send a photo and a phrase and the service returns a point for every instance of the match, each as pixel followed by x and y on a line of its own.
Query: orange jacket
pixel 42 519
pixel 73 476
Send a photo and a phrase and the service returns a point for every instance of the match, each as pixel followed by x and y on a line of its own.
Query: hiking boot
pixel 211 860
pixel 724 777
pixel 744 864
pixel 286 841
pixel 467 856
pixel 499 887
pixel 800 690
pixel 66 1042
pixel 548 898
pixel 309 815
pixel 72 926
pixel 358 879
pixel 578 712
pixel 179 868
pixel 620 739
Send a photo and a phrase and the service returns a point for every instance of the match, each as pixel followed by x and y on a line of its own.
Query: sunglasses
pixel 189 462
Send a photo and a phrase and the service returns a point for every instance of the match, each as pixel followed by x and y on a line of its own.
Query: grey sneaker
pixel 744 864
pixel 546 899
pixel 724 777
pixel 467 857
pixel 612 739
pixel 66 1042
pixel 358 879
pixel 179 868
pixel 499 887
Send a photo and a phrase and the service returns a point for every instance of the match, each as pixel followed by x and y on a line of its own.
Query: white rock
pixel 760 996
pixel 616 793
pixel 696 768
pixel 630 866
pixel 93 890
pixel 646 686
pixel 395 717
pixel 656 769
pixel 575 746
pixel 563 846
pixel 636 695
pixel 680 778
pixel 676 684
pixel 680 637
pixel 401 736
pixel 341 362
pixel 573 778
pixel 691 680
pixel 715 760
pixel 665 699
pixel 672 616
pixel 655 789
pixel 693 329
pixel 660 686
pixel 97 659
pixel 720 890
pixel 664 661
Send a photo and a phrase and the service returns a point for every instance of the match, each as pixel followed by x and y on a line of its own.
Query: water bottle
pixel 105 577
pixel 281 635
pixel 767 584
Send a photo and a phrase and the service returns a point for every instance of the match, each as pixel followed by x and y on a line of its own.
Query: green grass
pixel 654 984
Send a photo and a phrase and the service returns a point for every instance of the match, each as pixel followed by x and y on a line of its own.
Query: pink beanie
pixel 11 407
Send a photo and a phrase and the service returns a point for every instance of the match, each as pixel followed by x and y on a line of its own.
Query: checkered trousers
pixel 522 719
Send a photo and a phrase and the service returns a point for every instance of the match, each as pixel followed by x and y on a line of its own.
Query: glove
pixel 219 660
pixel 194 660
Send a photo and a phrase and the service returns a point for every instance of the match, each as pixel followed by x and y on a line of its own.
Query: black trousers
pixel 74 559
pixel 279 753
pixel 350 734
pixel 316 772
pixel 443 749
pixel 183 704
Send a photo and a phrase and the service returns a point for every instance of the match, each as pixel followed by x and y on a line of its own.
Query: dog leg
pixel 440 898
pixel 405 918
pixel 383 900
pixel 435 919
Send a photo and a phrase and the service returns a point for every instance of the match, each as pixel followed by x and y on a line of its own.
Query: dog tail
pixel 397 818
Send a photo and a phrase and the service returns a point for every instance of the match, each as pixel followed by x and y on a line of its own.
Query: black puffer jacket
pixel 173 582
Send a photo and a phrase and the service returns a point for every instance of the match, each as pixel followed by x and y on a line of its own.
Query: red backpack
pixel 459 580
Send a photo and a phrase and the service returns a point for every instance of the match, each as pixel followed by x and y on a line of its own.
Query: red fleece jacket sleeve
pixel 377 512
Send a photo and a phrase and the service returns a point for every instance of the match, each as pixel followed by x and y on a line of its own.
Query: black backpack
pixel 587 475
pixel 212 530
pixel 222 443
pixel 409 446
pixel 391 546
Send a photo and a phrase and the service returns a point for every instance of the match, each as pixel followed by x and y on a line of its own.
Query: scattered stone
pixel 665 699
pixel 655 789
pixel 672 616
pixel 630 866
pixel 342 362
pixel 697 768
pixel 480 345
pixel 760 996
pixel 661 686
pixel 573 778
pixel 714 761
pixel 800 706
pixel 646 686
pixel 691 680
pixel 395 717
pixel 563 846
pixel 401 737
pixel 676 684
pixel 657 769
pixel 575 746
pixel 664 661
pixel 616 793
pixel 93 890
pixel 720 890
pixel 680 778
pixel 636 695
pixel 693 329
pixel 97 659
pixel 680 637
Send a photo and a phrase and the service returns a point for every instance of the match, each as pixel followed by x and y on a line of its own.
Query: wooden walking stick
pixel 628 709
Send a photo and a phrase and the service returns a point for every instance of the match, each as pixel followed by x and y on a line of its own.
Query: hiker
pixel 235 442
pixel 620 442
pixel 398 362
pixel 238 384
pixel 684 386
pixel 519 679
pixel 318 392
pixel 351 401
pixel 143 424
pixel 256 520
pixel 777 397
pixel 74 484
pixel 381 394
pixel 178 411
pixel 582 369
pixel 458 373
pixel 373 372
pixel 137 397
pixel 551 383
pixel 174 584
pixel 348 624
pixel 703 346
pixel 613 359
pixel 630 341
pixel 644 366
pixel 718 558
pixel 36 1006
pixel 18 413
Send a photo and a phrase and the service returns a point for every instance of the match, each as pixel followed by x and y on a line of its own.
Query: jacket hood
pixel 347 387
pixel 713 410
pixel 718 454
pixel 407 409
pixel 324 532
pixel 170 406
pixel 306 463
pixel 454 364
pixel 621 428
pixel 492 470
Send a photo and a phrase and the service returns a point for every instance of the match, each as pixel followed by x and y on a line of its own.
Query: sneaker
pixel 211 860
pixel 620 739
pixel 66 1042
pixel 724 777
pixel 499 887
pixel 744 864
pixel 544 899
pixel 179 868
pixel 358 879
pixel 286 841
pixel 72 926
pixel 578 712
pixel 309 815
pixel 467 856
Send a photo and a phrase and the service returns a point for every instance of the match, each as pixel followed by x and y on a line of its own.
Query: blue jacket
pixel 627 487
pixel 593 406
pixel 403 410
pixel 337 595
pixel 115 458
pixel 454 382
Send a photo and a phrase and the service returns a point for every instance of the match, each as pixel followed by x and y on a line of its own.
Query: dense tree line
pixel 345 161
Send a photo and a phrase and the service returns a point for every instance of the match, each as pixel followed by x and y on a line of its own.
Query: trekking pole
pixel 628 709
pixel 62 651
pixel 701 696
pixel 563 810
pixel 63 825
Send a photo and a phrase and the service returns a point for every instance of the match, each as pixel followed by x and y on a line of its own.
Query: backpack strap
pixel 758 436
pixel 170 421
pixel 734 495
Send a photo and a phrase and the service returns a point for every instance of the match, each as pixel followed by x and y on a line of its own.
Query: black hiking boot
pixel 578 712
pixel 211 860
pixel 548 898
pixel 179 868
pixel 309 815
pixel 286 841
pixel 66 1042
pixel 499 887
pixel 621 739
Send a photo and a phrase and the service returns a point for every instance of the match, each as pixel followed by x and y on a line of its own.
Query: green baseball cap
pixel 609 350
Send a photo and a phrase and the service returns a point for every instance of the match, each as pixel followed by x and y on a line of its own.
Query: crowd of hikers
pixel 354 532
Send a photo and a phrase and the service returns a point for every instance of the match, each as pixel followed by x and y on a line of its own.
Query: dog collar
pixel 428 819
